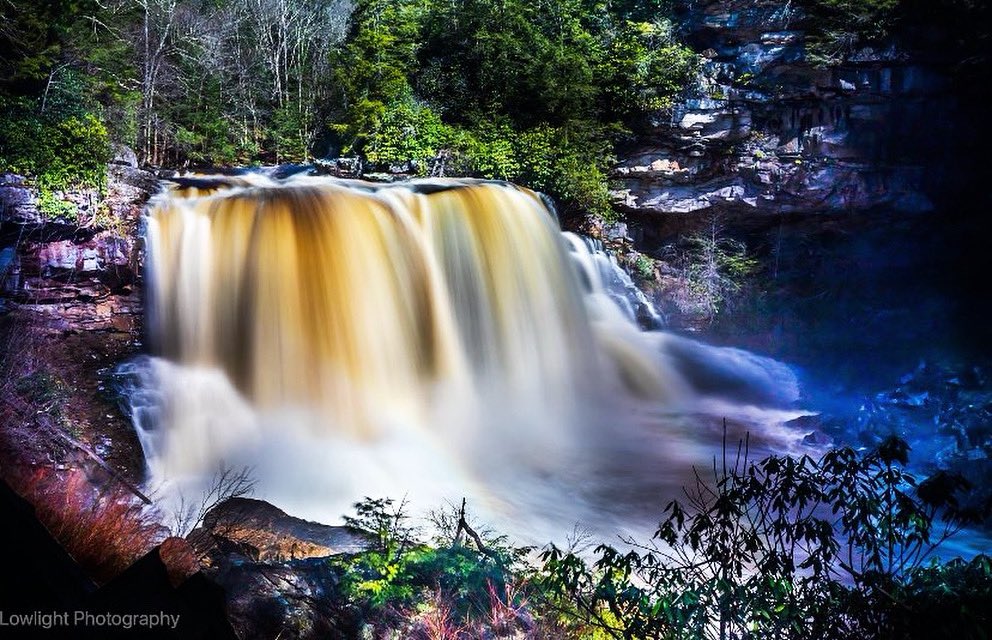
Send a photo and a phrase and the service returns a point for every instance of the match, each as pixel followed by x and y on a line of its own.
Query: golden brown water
pixel 359 298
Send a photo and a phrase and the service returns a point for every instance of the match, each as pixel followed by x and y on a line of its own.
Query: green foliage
pixel 76 152
pixel 955 29
pixel 288 136
pixel 530 61
pixel 400 571
pixel 409 132
pixel 841 26
pixel 839 547
pixel 789 548
pixel 644 266
pixel 523 91
pixel 436 87
pixel 371 69
pixel 48 393
pixel 491 151
pixel 33 36
pixel 949 600
pixel 461 573
pixel 569 163
pixel 643 69
pixel 57 152
pixel 54 207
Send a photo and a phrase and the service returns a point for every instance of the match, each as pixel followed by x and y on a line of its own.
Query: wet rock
pixel 263 532
pixel 806 422
pixel 817 439
pixel 339 167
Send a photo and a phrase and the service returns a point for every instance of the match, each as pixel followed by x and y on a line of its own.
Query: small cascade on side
pixel 601 273
pixel 436 338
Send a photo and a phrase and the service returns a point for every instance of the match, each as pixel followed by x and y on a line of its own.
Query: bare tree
pixel 157 30
pixel 227 483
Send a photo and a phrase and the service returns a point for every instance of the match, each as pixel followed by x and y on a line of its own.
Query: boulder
pixel 275 571
pixel 263 532
pixel 124 155
pixel 292 600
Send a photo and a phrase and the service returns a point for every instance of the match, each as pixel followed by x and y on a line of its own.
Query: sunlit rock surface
pixel 261 531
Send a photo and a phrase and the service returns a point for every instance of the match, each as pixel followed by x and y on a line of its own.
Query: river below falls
pixel 885 318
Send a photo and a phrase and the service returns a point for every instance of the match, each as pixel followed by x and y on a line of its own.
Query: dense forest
pixel 530 91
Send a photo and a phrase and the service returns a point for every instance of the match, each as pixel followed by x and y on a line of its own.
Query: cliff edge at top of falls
pixel 767 131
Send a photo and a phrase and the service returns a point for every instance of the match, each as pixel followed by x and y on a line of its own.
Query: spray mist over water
pixel 433 339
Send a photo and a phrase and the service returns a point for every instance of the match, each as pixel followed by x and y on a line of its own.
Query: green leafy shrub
pixel 836 547
pixel 492 152
pixel 287 135
pixel 644 69
pixel 409 132
pixel 569 164
pixel 790 548
pixel 54 207
pixel 400 572
pixel 644 267
pixel 58 154
pixel 78 152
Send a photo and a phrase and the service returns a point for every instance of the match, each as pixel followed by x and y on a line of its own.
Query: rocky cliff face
pixel 70 310
pixel 766 132
pixel 80 272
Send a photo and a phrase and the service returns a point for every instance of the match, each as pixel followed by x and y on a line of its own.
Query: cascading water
pixel 436 339
pixel 601 273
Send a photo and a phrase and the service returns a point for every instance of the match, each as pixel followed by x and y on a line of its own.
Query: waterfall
pixel 437 337
pixel 600 272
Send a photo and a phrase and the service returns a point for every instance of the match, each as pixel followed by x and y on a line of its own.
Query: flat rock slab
pixel 265 533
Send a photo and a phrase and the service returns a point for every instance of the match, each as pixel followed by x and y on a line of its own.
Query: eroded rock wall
pixel 78 272
pixel 767 132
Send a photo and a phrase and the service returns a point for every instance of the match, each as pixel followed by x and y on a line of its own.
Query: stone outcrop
pixel 297 599
pixel 765 131
pixel 80 271
pixel 275 572
pixel 262 532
